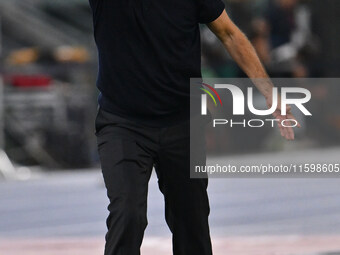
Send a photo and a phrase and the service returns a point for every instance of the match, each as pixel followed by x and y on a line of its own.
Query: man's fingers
pixel 291 117
pixel 286 131
pixel 290 133
pixel 281 131
pixel 281 128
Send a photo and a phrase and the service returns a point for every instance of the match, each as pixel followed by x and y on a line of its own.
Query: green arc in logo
pixel 212 97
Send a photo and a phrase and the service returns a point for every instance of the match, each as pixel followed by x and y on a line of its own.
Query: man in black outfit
pixel 148 50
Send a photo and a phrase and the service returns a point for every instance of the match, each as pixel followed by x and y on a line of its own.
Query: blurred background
pixel 50 183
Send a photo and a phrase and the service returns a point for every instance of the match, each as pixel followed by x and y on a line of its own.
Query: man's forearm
pixel 242 51
pixel 245 55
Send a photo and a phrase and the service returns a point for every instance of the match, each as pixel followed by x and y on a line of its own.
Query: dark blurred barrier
pixel 45 24
pixel 326 26
pixel 50 125
pixel 294 38
pixel 49 65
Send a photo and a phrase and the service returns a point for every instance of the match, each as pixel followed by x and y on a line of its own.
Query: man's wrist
pixel 268 93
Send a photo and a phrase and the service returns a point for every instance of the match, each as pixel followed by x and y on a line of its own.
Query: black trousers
pixel 128 153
